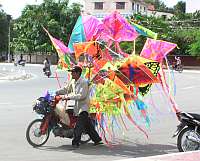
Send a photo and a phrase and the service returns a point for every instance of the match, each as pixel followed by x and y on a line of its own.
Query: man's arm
pixel 82 94
pixel 61 91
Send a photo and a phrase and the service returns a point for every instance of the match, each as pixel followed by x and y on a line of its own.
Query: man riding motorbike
pixel 178 61
pixel 47 68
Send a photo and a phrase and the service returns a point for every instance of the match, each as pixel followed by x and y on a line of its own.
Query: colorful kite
pixel 85 29
pixel 63 52
pixel 156 49
pixel 119 82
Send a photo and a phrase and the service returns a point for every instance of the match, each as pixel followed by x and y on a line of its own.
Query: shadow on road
pixel 134 150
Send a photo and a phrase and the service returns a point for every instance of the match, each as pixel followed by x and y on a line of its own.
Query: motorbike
pixel 20 62
pixel 178 68
pixel 47 72
pixel 188 132
pixel 38 131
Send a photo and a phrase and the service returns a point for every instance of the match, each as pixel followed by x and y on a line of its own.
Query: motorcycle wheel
pixel 180 68
pixel 183 143
pixel 33 135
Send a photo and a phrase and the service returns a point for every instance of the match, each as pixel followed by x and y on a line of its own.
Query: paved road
pixel 16 113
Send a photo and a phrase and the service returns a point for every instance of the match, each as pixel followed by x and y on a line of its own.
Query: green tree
pixel 194 48
pixel 56 17
pixel 4 22
pixel 180 7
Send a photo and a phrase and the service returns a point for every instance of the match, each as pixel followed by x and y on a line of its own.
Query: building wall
pixel 165 15
pixel 110 6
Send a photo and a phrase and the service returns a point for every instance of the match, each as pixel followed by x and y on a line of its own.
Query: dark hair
pixel 47 60
pixel 76 69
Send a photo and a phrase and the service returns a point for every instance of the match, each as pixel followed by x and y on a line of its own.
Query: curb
pixel 181 156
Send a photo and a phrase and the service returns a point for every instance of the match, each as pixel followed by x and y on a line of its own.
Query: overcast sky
pixel 14 7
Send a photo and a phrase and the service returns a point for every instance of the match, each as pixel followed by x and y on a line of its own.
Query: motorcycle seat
pixel 196 116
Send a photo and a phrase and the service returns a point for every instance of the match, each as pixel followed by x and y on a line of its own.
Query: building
pixel 100 8
pixel 152 12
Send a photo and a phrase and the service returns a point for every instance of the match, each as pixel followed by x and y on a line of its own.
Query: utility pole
pixel 8 19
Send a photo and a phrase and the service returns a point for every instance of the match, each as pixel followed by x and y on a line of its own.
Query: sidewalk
pixel 191 67
pixel 13 74
pixel 182 156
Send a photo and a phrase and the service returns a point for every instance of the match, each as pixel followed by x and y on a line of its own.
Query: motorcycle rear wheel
pixel 33 134
pixel 179 68
pixel 183 143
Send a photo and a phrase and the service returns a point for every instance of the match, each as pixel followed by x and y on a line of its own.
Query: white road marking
pixel 190 87
pixel 5 103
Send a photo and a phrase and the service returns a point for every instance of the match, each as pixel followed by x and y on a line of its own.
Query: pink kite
pixel 156 49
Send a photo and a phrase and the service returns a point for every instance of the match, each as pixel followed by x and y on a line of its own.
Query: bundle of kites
pixel 119 82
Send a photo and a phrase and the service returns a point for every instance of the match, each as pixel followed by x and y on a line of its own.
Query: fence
pixel 37 58
pixel 186 60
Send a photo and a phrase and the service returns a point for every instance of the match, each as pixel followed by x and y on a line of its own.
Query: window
pixel 138 8
pixel 98 5
pixel 144 9
pixel 133 6
pixel 120 5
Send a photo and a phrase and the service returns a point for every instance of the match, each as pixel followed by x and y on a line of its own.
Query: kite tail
pixel 142 108
pixel 131 119
pixel 166 91
pixel 101 120
pixel 170 75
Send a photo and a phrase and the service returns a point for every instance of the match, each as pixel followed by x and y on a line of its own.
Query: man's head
pixel 76 72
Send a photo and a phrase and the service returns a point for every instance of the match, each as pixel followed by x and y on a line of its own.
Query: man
pixel 178 61
pixel 78 90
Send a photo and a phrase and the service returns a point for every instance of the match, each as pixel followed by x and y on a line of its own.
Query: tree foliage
pixel 4 22
pixel 180 7
pixel 57 17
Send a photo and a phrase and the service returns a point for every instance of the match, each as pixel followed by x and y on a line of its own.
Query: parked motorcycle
pixel 38 131
pixel 20 62
pixel 188 132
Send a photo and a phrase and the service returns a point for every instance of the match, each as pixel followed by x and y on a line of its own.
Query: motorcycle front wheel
pixel 184 144
pixel 33 134
pixel 179 68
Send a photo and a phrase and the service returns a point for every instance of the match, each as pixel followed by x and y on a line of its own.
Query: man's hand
pixel 64 98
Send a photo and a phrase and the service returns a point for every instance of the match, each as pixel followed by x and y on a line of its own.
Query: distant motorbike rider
pixel 178 61
pixel 46 65
pixel 78 89
pixel 21 59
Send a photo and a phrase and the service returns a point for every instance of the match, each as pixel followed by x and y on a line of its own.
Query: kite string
pixel 56 74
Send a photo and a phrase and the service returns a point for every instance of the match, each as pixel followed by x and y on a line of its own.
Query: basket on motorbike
pixel 42 106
